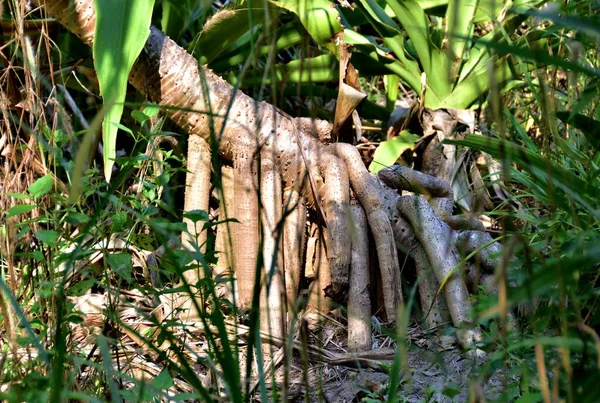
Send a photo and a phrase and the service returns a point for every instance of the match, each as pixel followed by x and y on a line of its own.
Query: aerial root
pixel 336 200
pixel 197 196
pixel 272 287
pixel 370 195
pixel 294 236
pixel 245 243
pixel 359 302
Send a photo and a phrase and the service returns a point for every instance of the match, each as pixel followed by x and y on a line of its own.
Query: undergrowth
pixel 91 306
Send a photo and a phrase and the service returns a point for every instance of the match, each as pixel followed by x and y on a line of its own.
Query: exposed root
pixel 296 152
pixel 196 199
pixel 359 302
pixel 370 194
pixel 294 235
pixel 273 287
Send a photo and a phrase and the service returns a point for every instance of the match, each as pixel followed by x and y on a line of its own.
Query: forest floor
pixel 434 377
pixel 437 371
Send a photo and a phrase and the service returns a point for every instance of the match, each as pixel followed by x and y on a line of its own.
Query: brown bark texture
pixel 241 129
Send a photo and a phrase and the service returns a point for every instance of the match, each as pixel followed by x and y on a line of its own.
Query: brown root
pixel 370 194
pixel 336 200
pixel 273 287
pixel 294 234
pixel 196 198
pixel 359 302
pixel 245 244
pixel 224 239
pixel 437 240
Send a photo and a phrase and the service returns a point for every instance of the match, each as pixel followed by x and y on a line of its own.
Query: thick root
pixel 434 306
pixel 337 200
pixel 318 292
pixel 272 312
pixel 245 243
pixel 438 241
pixel 224 240
pixel 488 252
pixel 370 194
pixel 196 198
pixel 359 302
pixel 294 234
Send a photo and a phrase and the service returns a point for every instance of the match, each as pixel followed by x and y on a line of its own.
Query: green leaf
pixel 224 28
pixel 163 380
pixel 122 28
pixel 459 21
pixel 369 57
pixel 139 116
pixel 48 237
pixel 288 36
pixel 436 64
pixel 20 209
pixel 195 216
pixel 407 69
pixel 322 68
pixel 451 390
pixel 468 91
pixel 19 196
pixel 588 126
pixel 392 87
pixel 77 218
pixel 319 17
pixel 41 186
pixel 548 174
pixel 120 263
pixel 389 151
pixel 81 287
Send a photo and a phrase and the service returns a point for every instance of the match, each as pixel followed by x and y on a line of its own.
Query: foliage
pixel 545 136
pixel 122 28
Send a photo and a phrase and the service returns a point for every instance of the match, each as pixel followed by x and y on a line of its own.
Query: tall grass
pixel 86 316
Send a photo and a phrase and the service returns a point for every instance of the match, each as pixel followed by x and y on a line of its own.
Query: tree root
pixel 257 137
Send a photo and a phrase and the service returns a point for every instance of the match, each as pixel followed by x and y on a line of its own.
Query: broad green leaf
pixel 319 17
pixel 392 87
pixel 415 22
pixel 20 209
pixel 139 116
pixel 224 28
pixel 172 20
pixel 369 59
pixel 48 237
pixel 322 68
pixel 436 64
pixel 120 264
pixel 81 287
pixel 459 23
pixel 389 151
pixel 77 218
pixel 41 186
pixel 19 196
pixel 468 91
pixel 162 380
pixel 479 57
pixel 405 67
pixel 122 28
pixel 451 390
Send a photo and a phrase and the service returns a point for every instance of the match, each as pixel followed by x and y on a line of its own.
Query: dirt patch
pixel 433 377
